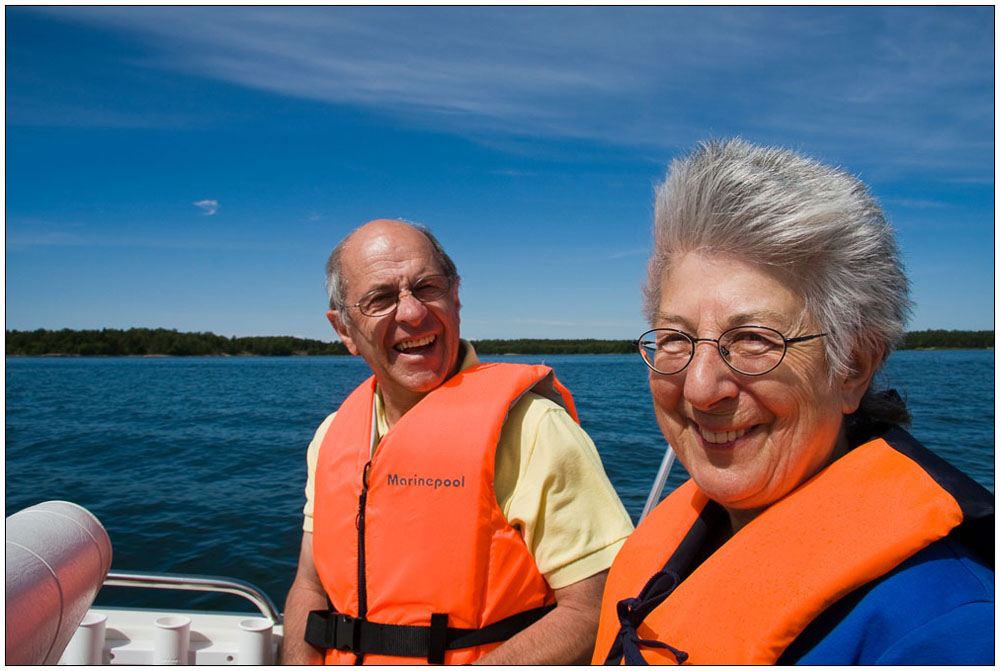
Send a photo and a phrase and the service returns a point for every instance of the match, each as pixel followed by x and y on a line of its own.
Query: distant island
pixel 160 342
pixel 170 342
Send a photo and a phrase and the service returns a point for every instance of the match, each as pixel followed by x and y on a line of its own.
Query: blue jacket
pixel 937 607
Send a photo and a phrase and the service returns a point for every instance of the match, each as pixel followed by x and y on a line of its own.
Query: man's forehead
pixel 384 256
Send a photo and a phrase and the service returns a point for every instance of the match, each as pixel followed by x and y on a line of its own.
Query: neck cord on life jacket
pixel 699 542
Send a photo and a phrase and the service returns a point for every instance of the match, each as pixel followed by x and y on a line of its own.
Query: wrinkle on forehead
pixel 738 292
pixel 769 318
pixel 387 254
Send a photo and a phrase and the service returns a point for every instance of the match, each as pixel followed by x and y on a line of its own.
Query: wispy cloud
pixel 910 83
pixel 45 239
pixel 918 204
pixel 23 240
pixel 638 251
pixel 208 207
pixel 510 172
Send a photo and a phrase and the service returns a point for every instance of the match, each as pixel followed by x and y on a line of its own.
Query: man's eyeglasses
pixel 750 350
pixel 381 302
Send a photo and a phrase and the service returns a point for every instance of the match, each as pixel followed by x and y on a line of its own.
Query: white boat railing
pixel 661 480
pixel 196 583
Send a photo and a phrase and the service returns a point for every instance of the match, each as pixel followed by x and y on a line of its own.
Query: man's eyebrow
pixel 382 286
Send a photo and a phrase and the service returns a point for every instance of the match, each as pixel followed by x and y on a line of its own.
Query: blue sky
pixel 192 167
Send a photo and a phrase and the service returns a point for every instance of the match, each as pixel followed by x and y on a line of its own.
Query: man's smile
pixel 407 345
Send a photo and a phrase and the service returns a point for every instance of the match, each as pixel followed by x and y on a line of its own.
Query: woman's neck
pixel 739 518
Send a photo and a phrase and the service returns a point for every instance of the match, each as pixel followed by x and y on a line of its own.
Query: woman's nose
pixel 708 379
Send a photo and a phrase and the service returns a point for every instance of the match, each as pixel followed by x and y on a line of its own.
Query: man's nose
pixel 410 310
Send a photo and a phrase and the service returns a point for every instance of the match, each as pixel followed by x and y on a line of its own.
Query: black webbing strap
pixel 685 558
pixel 327 629
pixel 437 638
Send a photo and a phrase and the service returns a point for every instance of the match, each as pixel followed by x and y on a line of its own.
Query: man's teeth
pixel 722 437
pixel 410 344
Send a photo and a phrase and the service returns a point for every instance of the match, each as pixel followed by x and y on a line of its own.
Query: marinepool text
pixel 417 481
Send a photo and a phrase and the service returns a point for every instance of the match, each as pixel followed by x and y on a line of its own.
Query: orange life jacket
pixel 425 544
pixel 850 524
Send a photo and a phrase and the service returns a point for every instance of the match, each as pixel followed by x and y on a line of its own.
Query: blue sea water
pixel 197 465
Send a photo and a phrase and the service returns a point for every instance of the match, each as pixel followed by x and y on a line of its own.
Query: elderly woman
pixel 813 529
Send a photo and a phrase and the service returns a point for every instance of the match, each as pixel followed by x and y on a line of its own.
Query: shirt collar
pixel 468 358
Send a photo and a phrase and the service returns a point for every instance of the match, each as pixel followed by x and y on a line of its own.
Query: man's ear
pixel 864 363
pixel 344 333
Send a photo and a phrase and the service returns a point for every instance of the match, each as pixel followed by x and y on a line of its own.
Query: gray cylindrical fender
pixel 58 555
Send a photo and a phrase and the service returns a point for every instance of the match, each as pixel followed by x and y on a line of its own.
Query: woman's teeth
pixel 721 437
pixel 410 344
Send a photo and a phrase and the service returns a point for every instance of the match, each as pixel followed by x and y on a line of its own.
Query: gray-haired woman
pixel 813 530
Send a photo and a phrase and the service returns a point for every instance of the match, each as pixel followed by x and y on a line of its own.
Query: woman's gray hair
pixel 336 286
pixel 812 224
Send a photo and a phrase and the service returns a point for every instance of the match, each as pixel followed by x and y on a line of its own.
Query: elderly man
pixel 455 511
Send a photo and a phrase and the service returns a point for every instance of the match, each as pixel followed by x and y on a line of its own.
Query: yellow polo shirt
pixel 550 484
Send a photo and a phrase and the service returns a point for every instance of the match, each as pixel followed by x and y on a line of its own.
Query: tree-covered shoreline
pixel 159 342
pixel 170 342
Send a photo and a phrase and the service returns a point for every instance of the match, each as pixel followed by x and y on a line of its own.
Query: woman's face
pixel 746 441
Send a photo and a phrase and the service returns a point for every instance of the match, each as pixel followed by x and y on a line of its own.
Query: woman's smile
pixel 746 440
pixel 721 437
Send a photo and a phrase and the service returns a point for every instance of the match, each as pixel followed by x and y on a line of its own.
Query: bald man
pixel 456 512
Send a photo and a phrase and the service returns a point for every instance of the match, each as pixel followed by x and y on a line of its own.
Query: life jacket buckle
pixel 346 633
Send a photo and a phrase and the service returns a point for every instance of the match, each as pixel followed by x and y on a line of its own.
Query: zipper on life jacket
pixel 359 522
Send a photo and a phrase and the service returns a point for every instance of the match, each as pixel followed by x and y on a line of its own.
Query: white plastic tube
pixel 57 556
pixel 86 648
pixel 255 646
pixel 171 640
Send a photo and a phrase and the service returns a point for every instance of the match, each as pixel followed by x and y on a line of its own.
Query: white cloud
pixel 209 207
pixel 511 172
pixel 638 251
pixel 911 85
pixel 917 203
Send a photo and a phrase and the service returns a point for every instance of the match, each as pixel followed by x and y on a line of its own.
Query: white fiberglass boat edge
pixel 58 557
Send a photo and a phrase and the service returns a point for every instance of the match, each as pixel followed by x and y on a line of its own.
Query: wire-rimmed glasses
pixel 749 350
pixel 380 302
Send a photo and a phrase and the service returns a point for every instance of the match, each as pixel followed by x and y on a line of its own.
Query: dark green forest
pixel 170 342
pixel 152 342
pixel 948 340
pixel 539 346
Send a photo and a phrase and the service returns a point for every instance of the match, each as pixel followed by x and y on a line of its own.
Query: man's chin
pixel 424 371
pixel 422 381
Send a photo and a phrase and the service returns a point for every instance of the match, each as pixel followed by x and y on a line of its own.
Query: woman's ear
pixel 864 362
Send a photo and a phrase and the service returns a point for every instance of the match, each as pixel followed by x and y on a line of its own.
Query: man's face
pixel 414 349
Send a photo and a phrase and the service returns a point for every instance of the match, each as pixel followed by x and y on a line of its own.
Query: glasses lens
pixel 381 303
pixel 665 350
pixel 430 288
pixel 753 350
pixel 378 303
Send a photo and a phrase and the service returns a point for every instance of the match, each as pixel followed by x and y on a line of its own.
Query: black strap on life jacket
pixel 631 612
pixel 978 528
pixel 977 532
pixel 328 629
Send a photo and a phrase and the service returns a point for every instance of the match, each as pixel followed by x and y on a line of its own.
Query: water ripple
pixel 198 465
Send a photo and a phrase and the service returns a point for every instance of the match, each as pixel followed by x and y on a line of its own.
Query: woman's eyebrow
pixel 675 322
pixel 749 318
pixel 758 318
